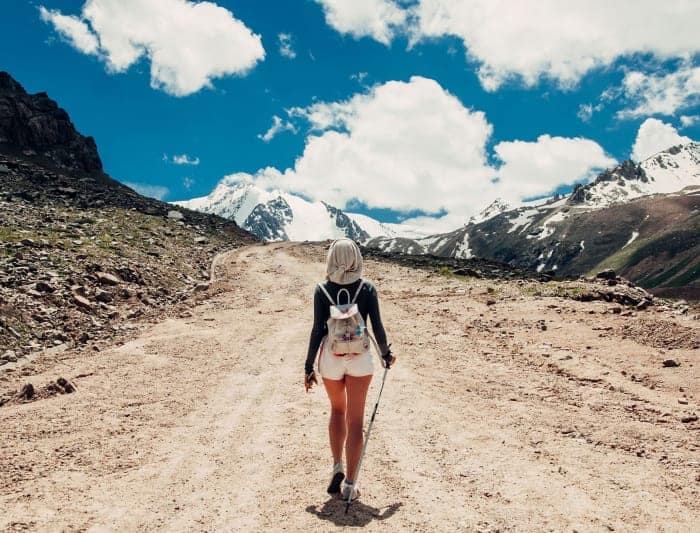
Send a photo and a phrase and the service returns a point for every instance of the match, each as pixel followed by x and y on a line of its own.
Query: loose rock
pixel 26 392
pixel 83 302
pixel 606 274
pixel 107 279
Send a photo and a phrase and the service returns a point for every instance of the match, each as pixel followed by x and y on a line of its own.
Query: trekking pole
pixel 369 430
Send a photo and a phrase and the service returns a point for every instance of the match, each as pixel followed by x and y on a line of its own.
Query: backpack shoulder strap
pixel 357 292
pixel 320 286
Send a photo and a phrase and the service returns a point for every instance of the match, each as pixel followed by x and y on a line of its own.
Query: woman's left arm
pixel 318 331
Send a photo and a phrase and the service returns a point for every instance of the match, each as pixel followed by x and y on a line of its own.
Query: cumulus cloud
pixel 152 191
pixel 72 29
pixel 286 48
pixel 188 182
pixel 378 19
pixel 278 126
pixel 512 39
pixel 411 146
pixel 560 40
pixel 534 168
pixel 188 44
pixel 654 136
pixel 662 94
pixel 400 145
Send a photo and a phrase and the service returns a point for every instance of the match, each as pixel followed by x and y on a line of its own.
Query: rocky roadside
pixel 606 285
pixel 475 267
pixel 82 263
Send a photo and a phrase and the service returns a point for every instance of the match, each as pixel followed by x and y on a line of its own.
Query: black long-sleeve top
pixel 368 304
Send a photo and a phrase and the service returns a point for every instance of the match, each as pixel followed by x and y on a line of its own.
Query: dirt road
pixel 530 414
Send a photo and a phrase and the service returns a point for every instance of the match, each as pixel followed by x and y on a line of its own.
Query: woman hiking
pixel 346 376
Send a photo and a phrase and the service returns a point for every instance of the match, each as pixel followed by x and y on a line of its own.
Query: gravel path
pixel 529 414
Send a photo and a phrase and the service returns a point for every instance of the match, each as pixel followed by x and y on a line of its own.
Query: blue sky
pixel 502 100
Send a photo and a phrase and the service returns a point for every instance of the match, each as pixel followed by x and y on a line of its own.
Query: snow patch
pixel 462 250
pixel 523 219
pixel 635 234
pixel 547 229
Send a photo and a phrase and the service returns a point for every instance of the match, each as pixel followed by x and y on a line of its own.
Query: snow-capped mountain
pixel 644 214
pixel 666 172
pixel 276 216
pixel 609 221
pixel 496 207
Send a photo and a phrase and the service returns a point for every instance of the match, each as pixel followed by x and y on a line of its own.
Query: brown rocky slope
pixel 81 255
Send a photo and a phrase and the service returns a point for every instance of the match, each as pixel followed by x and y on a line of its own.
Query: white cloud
pixel 187 43
pixel 560 40
pixel 663 94
pixel 184 159
pixel 286 48
pixel 525 41
pixel 152 191
pixel 689 120
pixel 586 111
pixel 74 30
pixel 533 168
pixel 426 225
pixel 412 146
pixel 378 19
pixel 278 126
pixel 360 78
pixel 403 145
pixel 188 182
pixel 654 136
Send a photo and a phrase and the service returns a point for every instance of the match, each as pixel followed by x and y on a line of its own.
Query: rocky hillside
pixel 626 219
pixel 81 255
pixel 33 124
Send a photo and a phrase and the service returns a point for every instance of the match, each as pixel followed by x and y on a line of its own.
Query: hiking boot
pixel 336 477
pixel 349 490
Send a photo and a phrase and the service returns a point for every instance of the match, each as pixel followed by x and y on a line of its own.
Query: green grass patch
pixel 568 292
pixel 686 278
pixel 671 243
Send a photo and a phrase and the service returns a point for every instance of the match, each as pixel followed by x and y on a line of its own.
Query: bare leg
pixel 336 426
pixel 357 394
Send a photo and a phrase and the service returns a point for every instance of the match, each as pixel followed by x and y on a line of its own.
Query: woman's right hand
pixel 310 380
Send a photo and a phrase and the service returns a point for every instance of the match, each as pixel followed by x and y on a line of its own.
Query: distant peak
pixel 498 206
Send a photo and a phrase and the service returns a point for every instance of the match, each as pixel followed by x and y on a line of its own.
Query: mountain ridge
pixel 34 125
pixel 627 218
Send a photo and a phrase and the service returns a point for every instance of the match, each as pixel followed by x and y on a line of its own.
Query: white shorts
pixel 336 366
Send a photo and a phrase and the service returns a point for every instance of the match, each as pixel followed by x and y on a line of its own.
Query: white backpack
pixel 347 332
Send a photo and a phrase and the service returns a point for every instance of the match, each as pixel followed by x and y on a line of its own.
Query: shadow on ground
pixel 360 514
